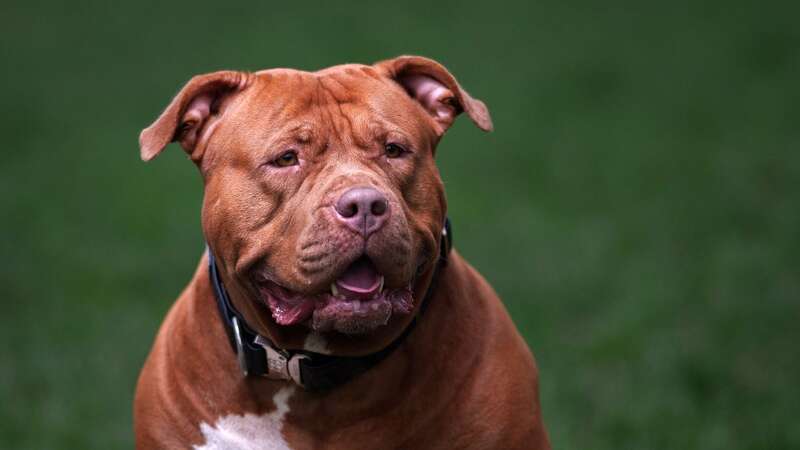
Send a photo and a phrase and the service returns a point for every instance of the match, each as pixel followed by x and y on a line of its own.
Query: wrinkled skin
pixel 280 220
pixel 272 223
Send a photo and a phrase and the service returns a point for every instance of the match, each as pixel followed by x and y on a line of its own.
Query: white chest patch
pixel 249 432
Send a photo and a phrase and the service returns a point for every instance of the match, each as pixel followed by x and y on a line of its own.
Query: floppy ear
pixel 190 114
pixel 430 84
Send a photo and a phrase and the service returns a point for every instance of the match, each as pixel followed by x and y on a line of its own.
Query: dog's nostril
pixel 379 207
pixel 347 210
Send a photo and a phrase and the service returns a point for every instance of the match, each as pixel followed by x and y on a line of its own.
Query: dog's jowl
pixel 330 310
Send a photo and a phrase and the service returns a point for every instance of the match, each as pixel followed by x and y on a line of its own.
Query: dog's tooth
pixel 334 289
pixel 356 305
pixel 380 288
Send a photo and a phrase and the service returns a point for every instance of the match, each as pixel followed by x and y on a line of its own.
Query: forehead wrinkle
pixel 330 103
pixel 366 118
pixel 290 102
pixel 299 99
pixel 288 92
pixel 299 130
pixel 386 110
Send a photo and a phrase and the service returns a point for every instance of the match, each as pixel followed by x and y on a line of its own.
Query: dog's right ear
pixel 191 113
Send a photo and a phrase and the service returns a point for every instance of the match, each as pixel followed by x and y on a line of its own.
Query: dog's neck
pixel 258 356
pixel 436 350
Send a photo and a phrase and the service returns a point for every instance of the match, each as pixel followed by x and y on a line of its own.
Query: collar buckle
pixel 237 336
pixel 281 365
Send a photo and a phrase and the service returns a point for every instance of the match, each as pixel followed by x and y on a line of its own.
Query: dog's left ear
pixel 429 83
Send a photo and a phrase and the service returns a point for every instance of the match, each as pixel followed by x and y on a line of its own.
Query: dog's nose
pixel 362 209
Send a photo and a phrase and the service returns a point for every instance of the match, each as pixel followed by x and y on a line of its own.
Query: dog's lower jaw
pixel 328 312
pixel 362 316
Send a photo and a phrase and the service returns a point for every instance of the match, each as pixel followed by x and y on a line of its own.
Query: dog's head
pixel 323 203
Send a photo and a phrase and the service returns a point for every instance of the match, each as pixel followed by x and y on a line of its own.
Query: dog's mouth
pixel 357 302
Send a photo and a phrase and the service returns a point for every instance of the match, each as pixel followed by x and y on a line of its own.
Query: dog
pixel 329 310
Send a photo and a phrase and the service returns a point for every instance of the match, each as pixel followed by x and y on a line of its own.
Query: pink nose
pixel 362 209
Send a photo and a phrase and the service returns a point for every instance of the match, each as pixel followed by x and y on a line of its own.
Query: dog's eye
pixel 394 150
pixel 286 159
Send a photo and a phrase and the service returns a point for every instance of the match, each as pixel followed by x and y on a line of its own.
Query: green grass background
pixel 636 207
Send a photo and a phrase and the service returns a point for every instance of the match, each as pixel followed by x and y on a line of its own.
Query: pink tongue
pixel 360 277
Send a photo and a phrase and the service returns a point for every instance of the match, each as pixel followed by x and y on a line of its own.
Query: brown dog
pixel 331 275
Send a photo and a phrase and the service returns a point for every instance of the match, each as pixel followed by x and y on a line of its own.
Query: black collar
pixel 313 371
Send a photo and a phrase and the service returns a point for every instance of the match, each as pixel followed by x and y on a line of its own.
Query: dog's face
pixel 322 201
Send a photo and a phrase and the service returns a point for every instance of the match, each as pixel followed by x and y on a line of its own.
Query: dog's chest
pixel 249 431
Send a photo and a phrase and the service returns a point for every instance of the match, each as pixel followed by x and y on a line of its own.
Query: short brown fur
pixel 463 379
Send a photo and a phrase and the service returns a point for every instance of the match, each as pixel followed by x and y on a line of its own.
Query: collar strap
pixel 258 356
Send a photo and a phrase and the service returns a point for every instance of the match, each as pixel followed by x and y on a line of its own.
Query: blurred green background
pixel 636 207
